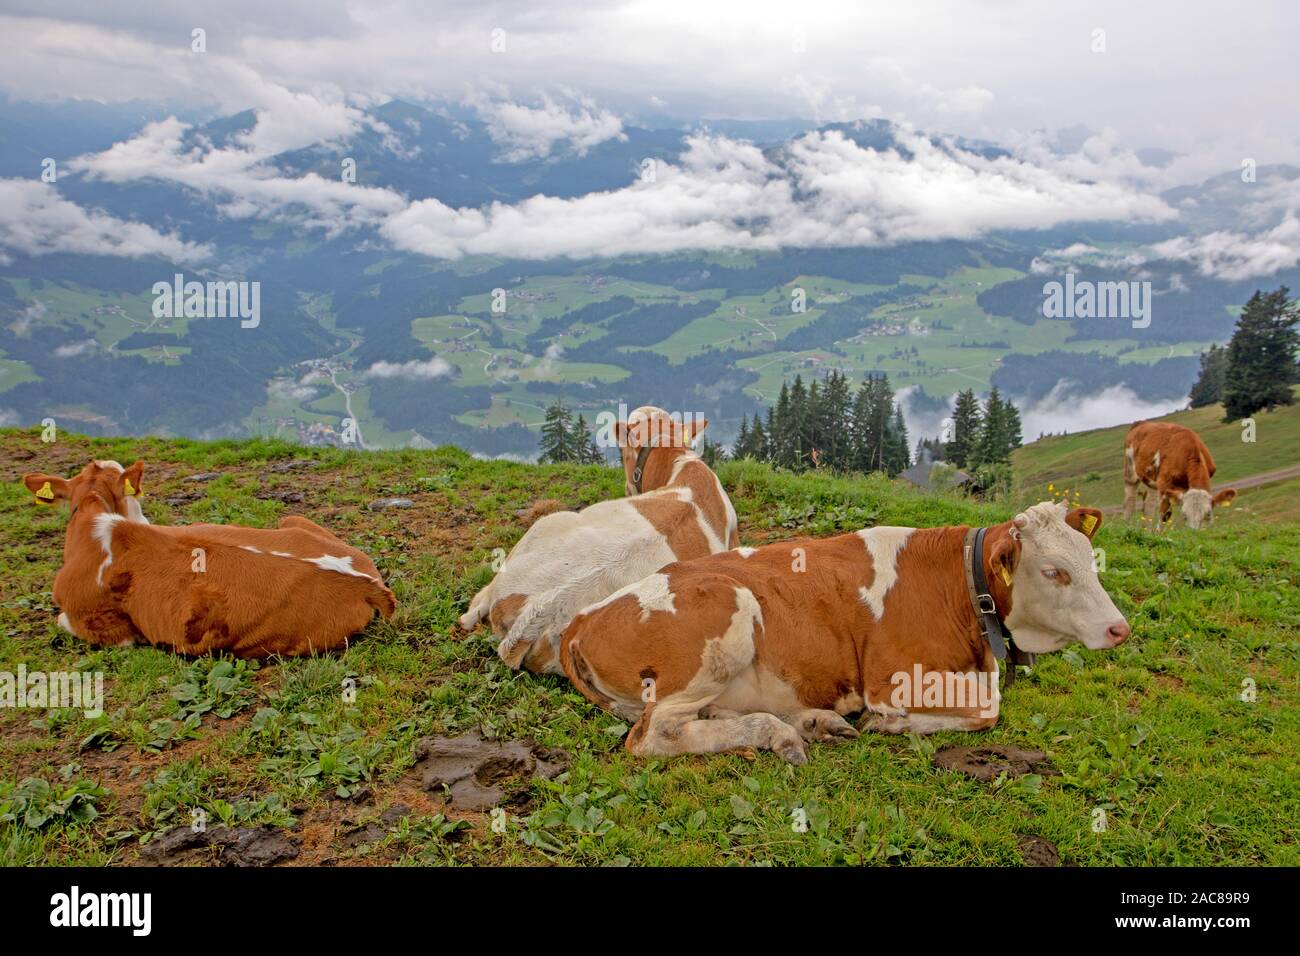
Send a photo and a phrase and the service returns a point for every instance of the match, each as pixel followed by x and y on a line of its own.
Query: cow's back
pixel 298 541
pixel 243 599
pixel 1174 451
pixel 584 555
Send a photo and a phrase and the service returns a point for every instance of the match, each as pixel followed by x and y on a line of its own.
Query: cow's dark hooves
pixel 794 755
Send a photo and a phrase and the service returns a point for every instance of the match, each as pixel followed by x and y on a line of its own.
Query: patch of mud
pixel 989 763
pixel 1036 851
pixel 296 464
pixel 234 846
pixel 183 498
pixel 286 497
pixel 478 774
pixel 375 830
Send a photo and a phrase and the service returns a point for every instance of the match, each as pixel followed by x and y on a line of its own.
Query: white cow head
pixel 1056 595
pixel 1198 505
pixel 651 426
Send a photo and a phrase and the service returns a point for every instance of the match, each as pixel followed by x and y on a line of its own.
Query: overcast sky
pixel 1213 82
pixel 1196 77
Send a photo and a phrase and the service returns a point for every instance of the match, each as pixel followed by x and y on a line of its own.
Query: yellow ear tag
pixel 1089 522
pixel 129 490
pixel 46 493
pixel 1006 575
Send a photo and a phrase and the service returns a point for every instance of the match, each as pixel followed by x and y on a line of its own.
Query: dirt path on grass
pixel 1241 484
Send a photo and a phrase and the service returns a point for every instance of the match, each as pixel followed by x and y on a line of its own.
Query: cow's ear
pixel 1004 557
pixel 48 489
pixel 620 433
pixel 130 482
pixel 1224 497
pixel 695 428
pixel 1084 520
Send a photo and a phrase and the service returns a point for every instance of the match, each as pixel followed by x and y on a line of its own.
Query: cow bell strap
pixel 986 610
pixel 639 470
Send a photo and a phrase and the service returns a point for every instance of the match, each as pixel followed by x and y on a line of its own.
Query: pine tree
pixel 758 437
pixel 712 452
pixel 779 430
pixel 798 426
pixel 999 433
pixel 989 443
pixel 1208 389
pixel 813 426
pixel 1261 355
pixel 742 448
pixel 584 448
pixel 834 421
pixel 557 435
pixel 873 410
pixel 882 410
pixel 1011 437
pixel 897 444
pixel 965 431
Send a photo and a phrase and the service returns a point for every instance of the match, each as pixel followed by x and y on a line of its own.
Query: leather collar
pixel 639 470
pixel 986 610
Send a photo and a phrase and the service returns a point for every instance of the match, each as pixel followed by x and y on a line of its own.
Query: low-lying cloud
pixel 1234 256
pixel 240 178
pixel 822 190
pixel 532 132
pixel 1069 407
pixel 35 220
pixel 415 369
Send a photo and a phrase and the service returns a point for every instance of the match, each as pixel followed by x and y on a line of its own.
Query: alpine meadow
pixel 504 436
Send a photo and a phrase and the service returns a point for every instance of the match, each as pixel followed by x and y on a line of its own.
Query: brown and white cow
pixel 768 648
pixel 1174 461
pixel 250 592
pixel 677 510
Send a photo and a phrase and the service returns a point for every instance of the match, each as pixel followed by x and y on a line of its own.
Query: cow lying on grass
pixel 767 648
pixel 1174 461
pixel 250 592
pixel 568 560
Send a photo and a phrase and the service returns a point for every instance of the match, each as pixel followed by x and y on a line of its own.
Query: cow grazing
pixel 677 510
pixel 250 592
pixel 770 647
pixel 1175 462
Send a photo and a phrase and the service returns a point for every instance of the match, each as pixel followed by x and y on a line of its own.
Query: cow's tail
pixel 1130 465
pixel 552 609
pixel 527 628
pixel 478 608
pixel 381 599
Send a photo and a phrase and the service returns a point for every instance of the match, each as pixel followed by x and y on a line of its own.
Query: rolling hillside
pixel 1155 732
pixel 1092 462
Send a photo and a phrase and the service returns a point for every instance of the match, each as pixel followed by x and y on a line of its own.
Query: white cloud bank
pixel 35 220
pixel 1068 408
pixel 240 178
pixel 1234 256
pixel 824 190
pixel 527 132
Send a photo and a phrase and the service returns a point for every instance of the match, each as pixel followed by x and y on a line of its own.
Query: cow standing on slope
pixel 770 647
pixel 250 592
pixel 1174 461
pixel 676 510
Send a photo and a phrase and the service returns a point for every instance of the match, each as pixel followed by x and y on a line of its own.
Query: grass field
pixel 1154 733
pixel 1092 462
